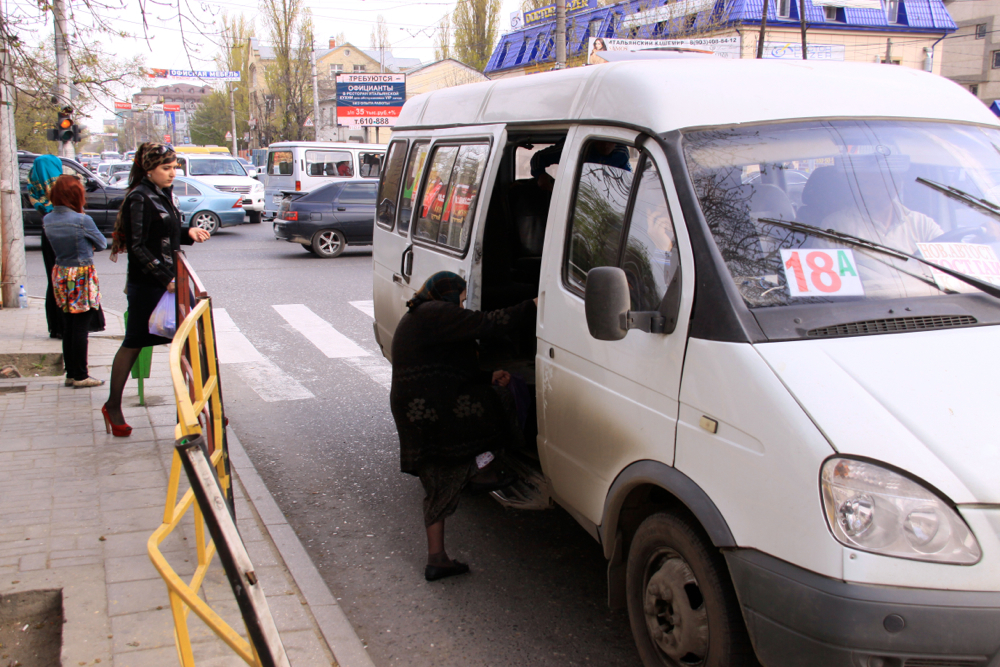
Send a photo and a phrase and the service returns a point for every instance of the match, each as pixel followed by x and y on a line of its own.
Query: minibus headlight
pixel 874 509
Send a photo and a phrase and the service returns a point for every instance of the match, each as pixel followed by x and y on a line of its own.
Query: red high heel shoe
pixel 118 430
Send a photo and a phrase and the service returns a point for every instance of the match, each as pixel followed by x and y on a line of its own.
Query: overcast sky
pixel 411 29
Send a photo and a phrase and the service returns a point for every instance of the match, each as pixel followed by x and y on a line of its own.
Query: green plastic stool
pixel 140 369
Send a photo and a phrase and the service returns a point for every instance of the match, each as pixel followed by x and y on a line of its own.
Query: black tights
pixel 75 327
pixel 120 369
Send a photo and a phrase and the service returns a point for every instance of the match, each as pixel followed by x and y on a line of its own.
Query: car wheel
pixel 328 243
pixel 255 217
pixel 681 604
pixel 206 220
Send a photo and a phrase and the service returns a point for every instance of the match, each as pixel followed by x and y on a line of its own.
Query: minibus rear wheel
pixel 681 604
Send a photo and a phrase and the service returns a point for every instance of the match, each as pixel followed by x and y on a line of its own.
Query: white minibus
pixel 305 165
pixel 766 347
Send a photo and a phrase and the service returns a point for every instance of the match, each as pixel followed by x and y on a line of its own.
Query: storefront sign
pixel 548 12
pixel 793 51
pixel 665 13
pixel 192 75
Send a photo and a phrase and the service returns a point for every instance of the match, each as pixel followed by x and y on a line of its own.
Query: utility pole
pixel 62 68
pixel 315 95
pixel 802 21
pixel 763 27
pixel 232 117
pixel 560 34
pixel 888 51
pixel 13 267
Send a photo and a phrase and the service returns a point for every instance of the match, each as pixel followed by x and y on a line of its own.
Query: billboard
pixel 726 47
pixel 191 75
pixel 370 100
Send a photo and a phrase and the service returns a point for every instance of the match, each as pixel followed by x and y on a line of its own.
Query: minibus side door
pixel 606 404
pixel 442 203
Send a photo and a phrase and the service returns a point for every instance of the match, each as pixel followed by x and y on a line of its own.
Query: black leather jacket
pixel 152 234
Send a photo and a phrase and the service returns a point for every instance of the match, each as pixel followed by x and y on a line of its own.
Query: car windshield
pixel 874 180
pixel 216 167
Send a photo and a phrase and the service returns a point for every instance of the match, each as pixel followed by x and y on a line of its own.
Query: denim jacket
pixel 73 236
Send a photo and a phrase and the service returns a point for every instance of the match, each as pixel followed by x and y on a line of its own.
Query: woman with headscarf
pixel 149 229
pixel 44 172
pixel 74 238
pixel 446 411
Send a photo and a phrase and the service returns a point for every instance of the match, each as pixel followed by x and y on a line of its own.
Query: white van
pixel 306 165
pixel 224 172
pixel 780 434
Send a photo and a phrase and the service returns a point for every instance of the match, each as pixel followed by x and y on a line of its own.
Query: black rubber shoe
pixel 435 572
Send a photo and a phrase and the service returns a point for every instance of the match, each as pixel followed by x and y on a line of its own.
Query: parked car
pixel 102 202
pixel 303 166
pixel 225 173
pixel 206 207
pixel 775 423
pixel 115 171
pixel 129 155
pixel 329 218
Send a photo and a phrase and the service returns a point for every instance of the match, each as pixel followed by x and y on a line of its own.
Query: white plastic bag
pixel 163 321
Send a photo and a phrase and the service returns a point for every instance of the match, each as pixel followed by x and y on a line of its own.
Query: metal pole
pixel 232 117
pixel 62 68
pixel 802 21
pixel 888 51
pixel 763 27
pixel 13 266
pixel 312 57
pixel 560 34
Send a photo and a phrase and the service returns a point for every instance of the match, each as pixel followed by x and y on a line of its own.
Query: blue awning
pixel 995 107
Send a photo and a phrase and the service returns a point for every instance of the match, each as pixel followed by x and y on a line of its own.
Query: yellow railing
pixel 195 374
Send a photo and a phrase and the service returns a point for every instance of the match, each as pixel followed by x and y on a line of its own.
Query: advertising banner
pixel 549 12
pixel 793 51
pixel 200 76
pixel 855 4
pixel 370 99
pixel 973 259
pixel 726 47
pixel 664 13
pixel 123 105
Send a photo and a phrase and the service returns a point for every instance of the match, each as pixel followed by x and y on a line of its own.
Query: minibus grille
pixel 893 324
pixel 943 662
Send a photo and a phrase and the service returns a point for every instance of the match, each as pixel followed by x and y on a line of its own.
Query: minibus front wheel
pixel 681 604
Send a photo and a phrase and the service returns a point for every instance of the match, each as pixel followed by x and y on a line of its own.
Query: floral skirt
pixel 76 288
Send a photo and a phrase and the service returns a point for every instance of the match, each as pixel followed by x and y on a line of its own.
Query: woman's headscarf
pixel 43 175
pixel 442 286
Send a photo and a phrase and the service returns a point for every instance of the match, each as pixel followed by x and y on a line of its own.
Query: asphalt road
pixel 317 425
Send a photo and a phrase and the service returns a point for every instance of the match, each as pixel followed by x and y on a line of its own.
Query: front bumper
pixel 253 201
pixel 797 618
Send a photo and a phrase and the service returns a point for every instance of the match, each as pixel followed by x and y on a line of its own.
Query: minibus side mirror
pixel 606 303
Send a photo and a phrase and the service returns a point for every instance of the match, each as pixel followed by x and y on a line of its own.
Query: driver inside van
pixel 599 152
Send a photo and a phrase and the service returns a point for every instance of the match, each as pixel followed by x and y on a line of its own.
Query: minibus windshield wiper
pixel 981 205
pixel 856 241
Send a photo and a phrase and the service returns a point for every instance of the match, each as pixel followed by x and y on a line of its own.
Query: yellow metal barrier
pixel 195 374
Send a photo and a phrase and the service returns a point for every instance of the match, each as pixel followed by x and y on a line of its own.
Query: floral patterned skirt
pixel 76 288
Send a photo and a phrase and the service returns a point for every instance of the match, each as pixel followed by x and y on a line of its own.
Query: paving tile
pixel 130 597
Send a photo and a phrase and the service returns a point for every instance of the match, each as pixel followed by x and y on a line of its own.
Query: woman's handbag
pixel 163 321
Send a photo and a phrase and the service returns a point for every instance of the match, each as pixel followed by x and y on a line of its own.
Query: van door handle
pixel 341 208
pixel 406 263
pixel 398 279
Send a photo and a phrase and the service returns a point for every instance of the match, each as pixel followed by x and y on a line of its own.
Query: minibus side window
pixel 329 163
pixel 602 195
pixel 650 259
pixel 411 181
pixel 280 163
pixel 370 164
pixel 450 194
pixel 389 188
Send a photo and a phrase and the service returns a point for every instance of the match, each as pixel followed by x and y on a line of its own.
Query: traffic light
pixel 64 126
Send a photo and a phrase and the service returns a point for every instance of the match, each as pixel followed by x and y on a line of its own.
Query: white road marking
pixel 377 368
pixel 259 373
pixel 366 307
pixel 318 331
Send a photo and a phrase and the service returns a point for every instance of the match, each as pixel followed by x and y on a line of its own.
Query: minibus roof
pixel 675 93
pixel 326 145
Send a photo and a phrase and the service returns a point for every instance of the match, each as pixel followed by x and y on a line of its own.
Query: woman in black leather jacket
pixel 149 229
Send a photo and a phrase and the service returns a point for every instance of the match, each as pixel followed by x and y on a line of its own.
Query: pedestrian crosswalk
pixel 267 379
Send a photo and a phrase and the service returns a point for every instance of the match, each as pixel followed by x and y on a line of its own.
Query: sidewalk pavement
pixel 77 507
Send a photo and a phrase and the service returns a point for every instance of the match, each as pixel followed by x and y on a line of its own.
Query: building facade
pixel 972 54
pixel 176 124
pixel 907 31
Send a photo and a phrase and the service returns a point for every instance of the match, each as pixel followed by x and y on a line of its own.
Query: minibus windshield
pixel 926 189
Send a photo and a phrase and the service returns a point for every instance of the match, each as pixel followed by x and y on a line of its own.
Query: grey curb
pixel 337 630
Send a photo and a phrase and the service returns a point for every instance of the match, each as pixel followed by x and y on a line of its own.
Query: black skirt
pixel 142 300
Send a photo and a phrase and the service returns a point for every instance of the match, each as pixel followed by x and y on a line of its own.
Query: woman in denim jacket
pixel 74 237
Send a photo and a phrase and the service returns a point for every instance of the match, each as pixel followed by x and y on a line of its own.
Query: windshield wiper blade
pixel 981 285
pixel 982 205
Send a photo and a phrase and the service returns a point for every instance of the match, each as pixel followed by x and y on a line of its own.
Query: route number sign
pixel 821 272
